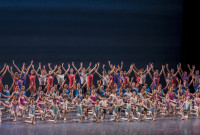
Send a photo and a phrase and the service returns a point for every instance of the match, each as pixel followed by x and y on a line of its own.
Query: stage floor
pixel 162 126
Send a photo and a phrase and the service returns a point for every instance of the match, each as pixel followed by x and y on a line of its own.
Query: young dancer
pixel 186 107
pixel 31 114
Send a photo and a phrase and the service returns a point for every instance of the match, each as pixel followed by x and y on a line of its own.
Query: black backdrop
pixel 75 30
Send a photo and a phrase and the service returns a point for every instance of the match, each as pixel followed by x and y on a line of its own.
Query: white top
pixel 133 100
pixel 113 97
pixel 129 95
pixel 60 78
pixel 83 78
pixel 65 105
pixel 142 79
pixel 42 79
pixel 104 80
pixel 104 103
pixel 86 101
pixel 119 101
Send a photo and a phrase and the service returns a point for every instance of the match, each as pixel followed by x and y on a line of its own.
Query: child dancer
pixel 140 109
pixel 54 111
pixel 65 105
pixel 31 109
pixel 120 103
pixel 42 106
pixel 128 109
pixel 153 108
pixel 22 102
pixel 14 107
pixel 133 100
pixel 86 105
pixel 96 111
pixel 197 104
pixel 79 110
pixel 104 104
pixel 186 108
pixel 115 110
pixel 1 103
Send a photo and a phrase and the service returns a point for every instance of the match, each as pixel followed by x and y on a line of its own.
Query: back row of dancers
pixel 116 92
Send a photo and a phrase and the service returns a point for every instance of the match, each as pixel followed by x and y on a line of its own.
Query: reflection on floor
pixel 162 126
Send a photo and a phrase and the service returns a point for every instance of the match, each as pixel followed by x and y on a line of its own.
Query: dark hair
pixel 54 100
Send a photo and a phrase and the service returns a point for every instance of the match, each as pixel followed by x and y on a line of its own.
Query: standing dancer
pixel 104 77
pixel 43 77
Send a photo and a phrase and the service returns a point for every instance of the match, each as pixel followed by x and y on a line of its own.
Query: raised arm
pixel 152 67
pixel 189 67
pixel 36 72
pixel 27 70
pixel 49 65
pixel 112 70
pixel 89 66
pixel 109 63
pixel 3 68
pixel 134 67
pixel 16 66
pixel 148 71
pixel 93 69
pixel 161 70
pixel 66 71
pixel 98 74
pixel 178 70
pixel 130 70
pixel 135 71
pixel 164 72
pixel 167 67
pixel 11 72
pixel 52 72
pixel 75 68
pixel 192 71
pixel 5 71
pixel 121 65
pixel 39 67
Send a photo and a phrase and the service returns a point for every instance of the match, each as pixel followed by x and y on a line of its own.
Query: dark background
pixel 59 31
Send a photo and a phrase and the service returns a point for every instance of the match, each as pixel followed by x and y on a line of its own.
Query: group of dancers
pixel 115 94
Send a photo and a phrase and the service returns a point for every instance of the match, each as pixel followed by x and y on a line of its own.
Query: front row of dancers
pixel 136 106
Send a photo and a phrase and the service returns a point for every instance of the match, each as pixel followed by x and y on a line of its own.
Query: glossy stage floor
pixel 162 126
